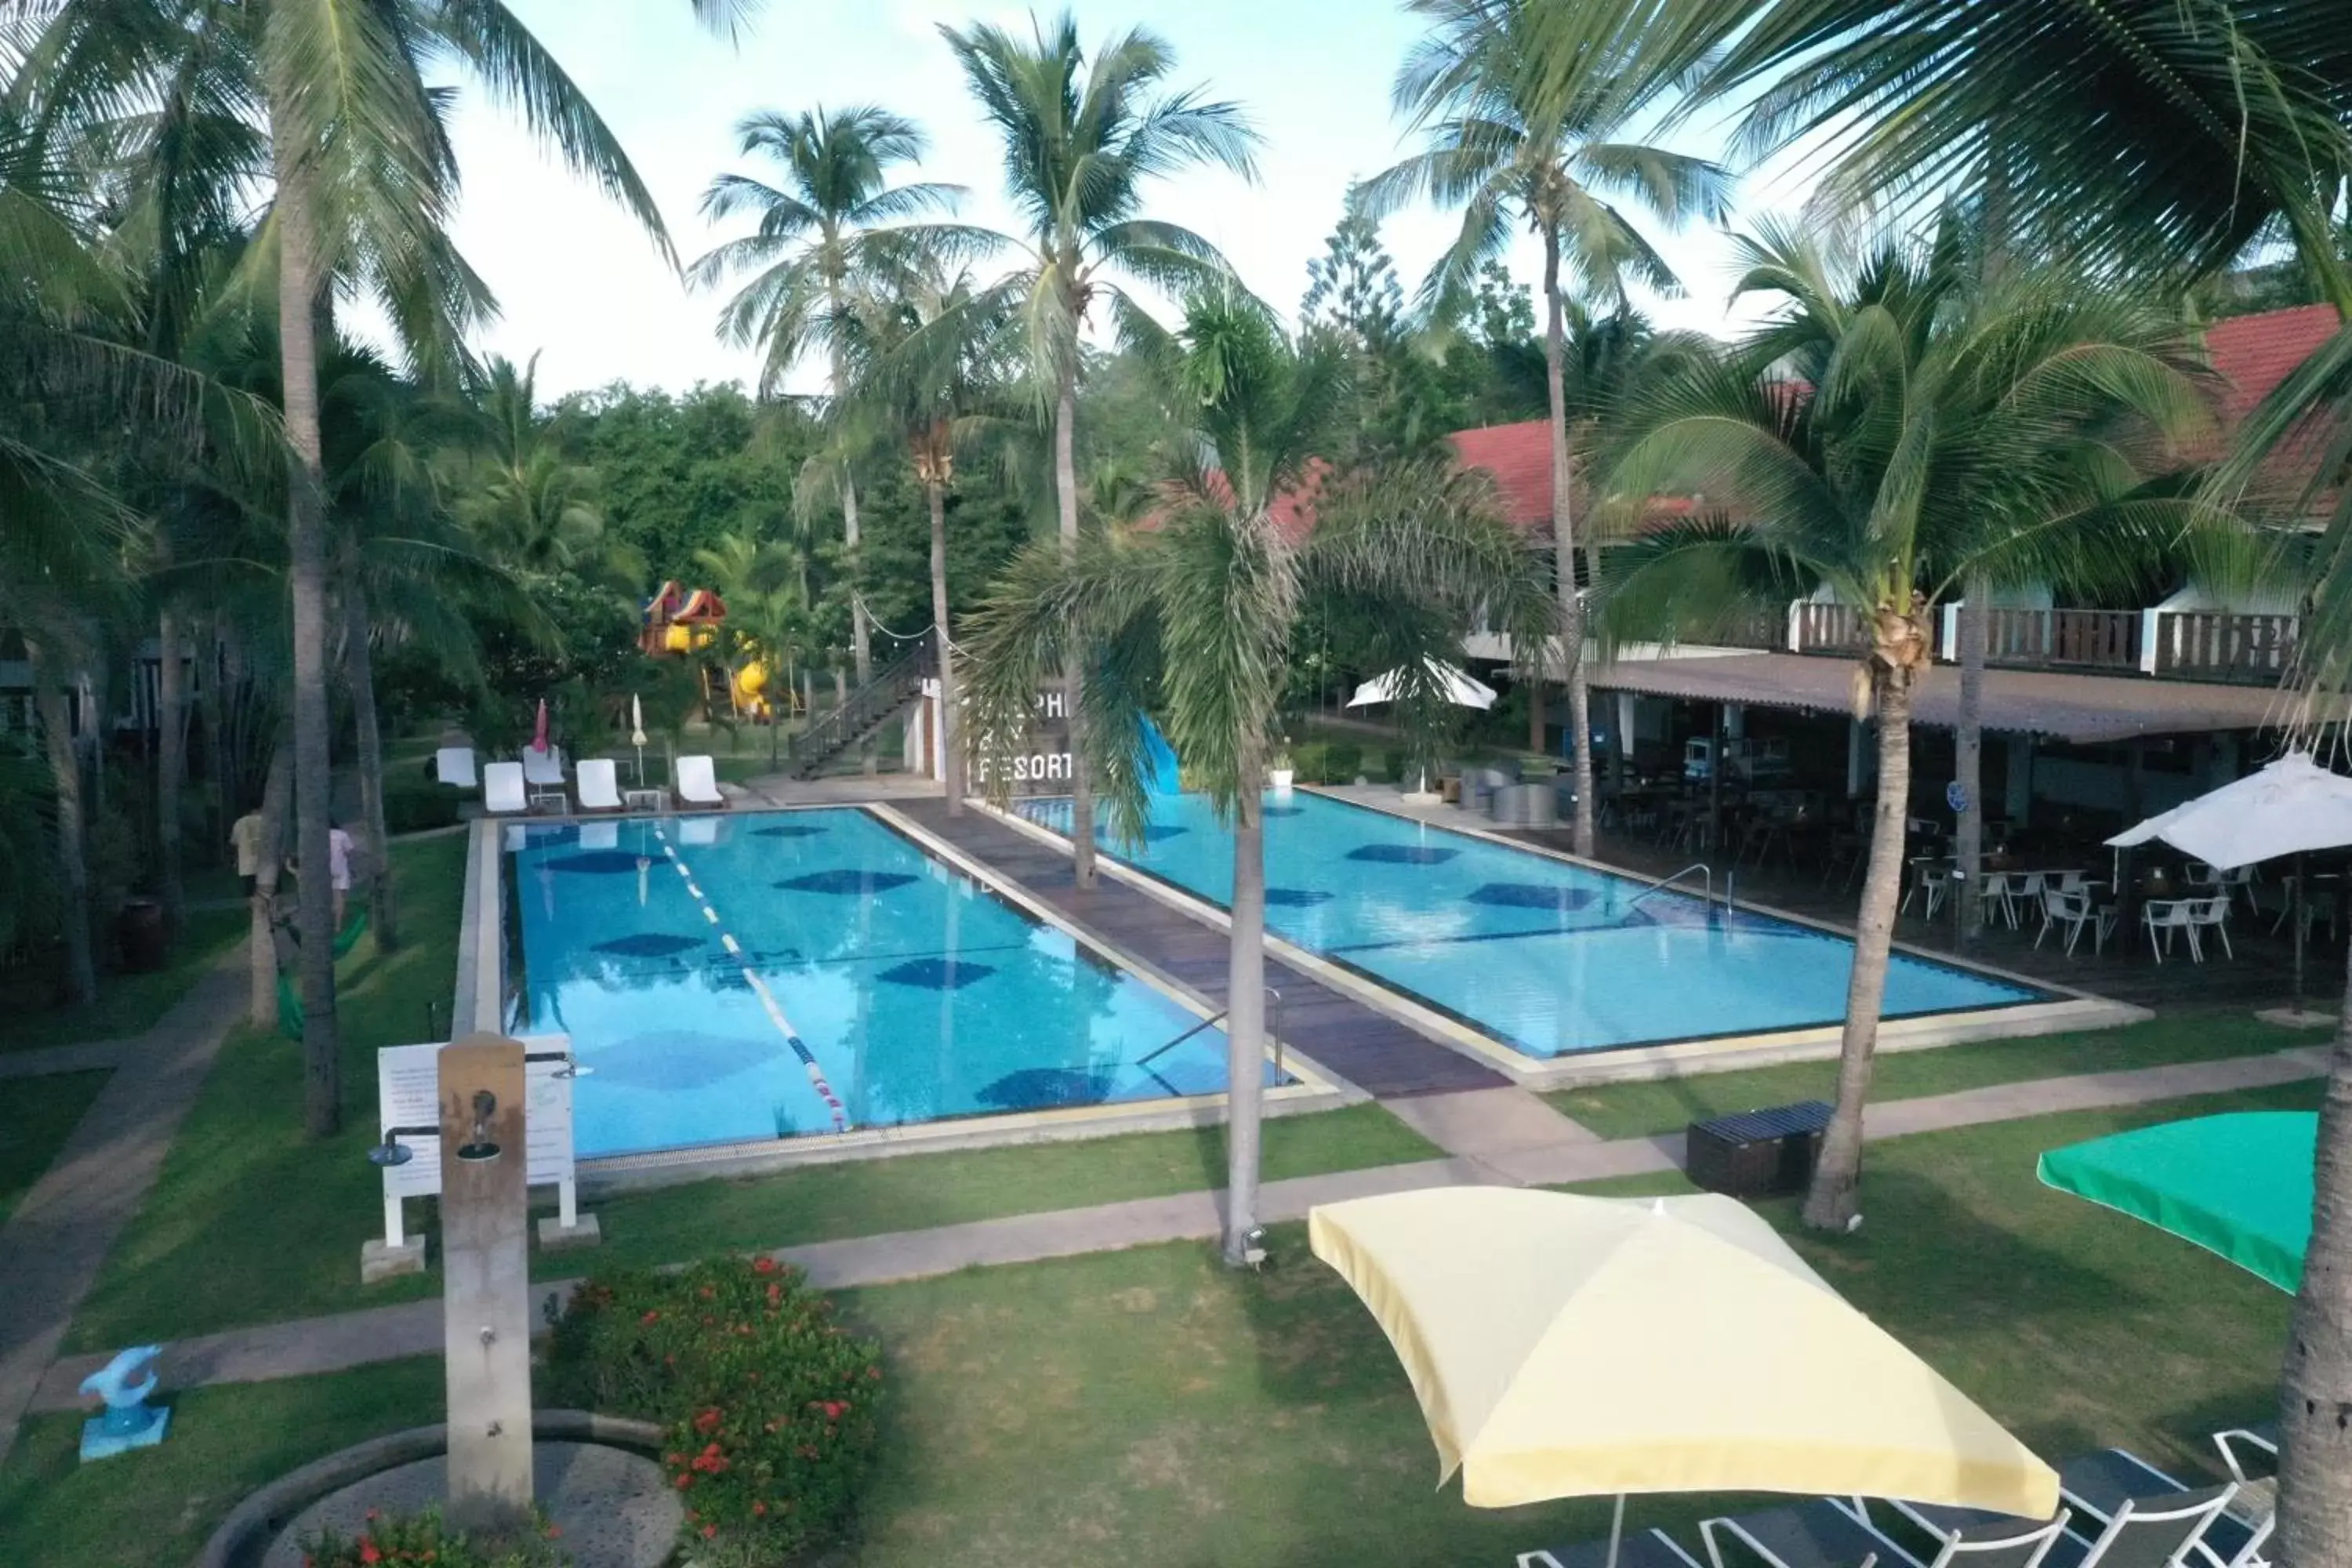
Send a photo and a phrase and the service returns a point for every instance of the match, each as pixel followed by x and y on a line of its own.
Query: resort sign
pixel 1040 763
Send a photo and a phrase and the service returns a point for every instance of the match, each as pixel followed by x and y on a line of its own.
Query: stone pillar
pixel 486 1284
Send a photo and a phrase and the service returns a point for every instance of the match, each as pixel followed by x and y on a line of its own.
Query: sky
pixel 580 284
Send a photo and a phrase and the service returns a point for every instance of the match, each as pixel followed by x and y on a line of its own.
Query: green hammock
pixel 289 1008
pixel 353 929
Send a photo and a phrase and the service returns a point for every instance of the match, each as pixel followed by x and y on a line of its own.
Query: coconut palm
pixel 527 504
pixel 1083 136
pixel 932 362
pixel 825 236
pixel 1522 132
pixel 763 582
pixel 361 176
pixel 1930 434
pixel 1194 616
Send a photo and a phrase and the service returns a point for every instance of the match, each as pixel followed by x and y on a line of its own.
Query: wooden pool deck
pixel 1371 1050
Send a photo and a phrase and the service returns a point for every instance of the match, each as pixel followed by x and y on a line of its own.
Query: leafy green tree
pixel 825 236
pixel 1083 136
pixel 1195 618
pixel 1920 435
pixel 1523 132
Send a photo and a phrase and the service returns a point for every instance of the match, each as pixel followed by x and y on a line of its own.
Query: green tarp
pixel 2238 1184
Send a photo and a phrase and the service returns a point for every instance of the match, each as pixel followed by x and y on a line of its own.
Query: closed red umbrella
pixel 539 731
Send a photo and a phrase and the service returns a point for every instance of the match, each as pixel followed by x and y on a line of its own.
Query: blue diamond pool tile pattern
pixel 784 974
pixel 1547 957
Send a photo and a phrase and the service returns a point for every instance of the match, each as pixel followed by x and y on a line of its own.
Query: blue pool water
pixel 919 993
pixel 1549 958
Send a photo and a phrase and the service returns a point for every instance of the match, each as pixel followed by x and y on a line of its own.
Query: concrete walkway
pixel 55 1243
pixel 1525 1151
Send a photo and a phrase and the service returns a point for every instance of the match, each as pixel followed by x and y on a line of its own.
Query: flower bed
pixel 768 1403
pixel 421 1540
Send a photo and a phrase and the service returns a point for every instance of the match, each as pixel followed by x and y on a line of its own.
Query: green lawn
pixel 158 1505
pixel 127 1005
pixel 1150 1409
pixel 36 1116
pixel 1668 1105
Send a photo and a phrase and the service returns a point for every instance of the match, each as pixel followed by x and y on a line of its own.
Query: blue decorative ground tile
pixel 1532 896
pixel 649 944
pixel 1296 898
pixel 1159 832
pixel 792 831
pixel 1282 811
pixel 595 863
pixel 937 973
pixel 1403 854
pixel 844 881
pixel 1038 1089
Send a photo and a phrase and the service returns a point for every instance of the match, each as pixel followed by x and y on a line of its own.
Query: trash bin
pixel 1758 1154
pixel 139 932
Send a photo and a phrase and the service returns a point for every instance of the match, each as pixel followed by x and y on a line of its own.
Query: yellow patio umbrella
pixel 1570 1346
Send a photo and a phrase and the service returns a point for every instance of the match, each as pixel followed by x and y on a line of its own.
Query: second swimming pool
pixel 1549 957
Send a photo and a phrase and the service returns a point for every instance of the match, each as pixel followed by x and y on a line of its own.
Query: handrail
pixel 861 708
pixel 1662 883
pixel 1210 1022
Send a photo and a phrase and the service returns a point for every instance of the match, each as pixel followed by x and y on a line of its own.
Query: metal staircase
pixel 866 710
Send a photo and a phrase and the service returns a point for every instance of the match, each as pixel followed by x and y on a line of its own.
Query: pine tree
pixel 1352 288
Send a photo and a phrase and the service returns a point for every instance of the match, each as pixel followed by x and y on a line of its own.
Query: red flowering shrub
pixel 421 1540
pixel 769 1404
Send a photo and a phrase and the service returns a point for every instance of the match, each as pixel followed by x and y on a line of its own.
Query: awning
pixel 2085 709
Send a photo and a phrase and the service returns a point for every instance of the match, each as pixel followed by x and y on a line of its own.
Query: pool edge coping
pixel 2069 1012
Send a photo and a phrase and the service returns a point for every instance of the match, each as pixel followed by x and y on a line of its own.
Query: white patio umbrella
pixel 2290 807
pixel 1459 689
pixel 637 735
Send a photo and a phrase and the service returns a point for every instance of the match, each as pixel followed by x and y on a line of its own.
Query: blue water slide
pixel 1161 775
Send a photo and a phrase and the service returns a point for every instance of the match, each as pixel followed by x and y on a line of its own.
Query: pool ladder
pixel 1704 871
pixel 1274 1028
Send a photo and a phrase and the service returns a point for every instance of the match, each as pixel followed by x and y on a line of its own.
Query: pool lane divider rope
pixel 759 989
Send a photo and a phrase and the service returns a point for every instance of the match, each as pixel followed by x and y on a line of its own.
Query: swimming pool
pixel 761 976
pixel 1549 958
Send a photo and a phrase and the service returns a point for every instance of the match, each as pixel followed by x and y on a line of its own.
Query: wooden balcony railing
pixel 2209 645
pixel 1828 628
pixel 2073 639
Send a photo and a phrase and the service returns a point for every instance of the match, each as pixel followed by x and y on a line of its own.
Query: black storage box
pixel 1759 1153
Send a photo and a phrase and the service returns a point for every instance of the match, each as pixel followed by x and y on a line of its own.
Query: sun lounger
pixel 698 832
pixel 2101 1485
pixel 697 784
pixel 1649 1549
pixel 543 772
pixel 599 789
pixel 2250 1453
pixel 502 790
pixel 2176 1528
pixel 1819 1534
pixel 453 766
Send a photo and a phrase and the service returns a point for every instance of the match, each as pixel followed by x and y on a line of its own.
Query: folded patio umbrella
pixel 2289 807
pixel 1571 1346
pixel 1456 688
pixel 2238 1184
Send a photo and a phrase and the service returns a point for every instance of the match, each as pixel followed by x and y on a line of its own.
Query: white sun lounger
pixel 453 766
pixel 599 789
pixel 600 836
pixel 502 790
pixel 543 772
pixel 697 784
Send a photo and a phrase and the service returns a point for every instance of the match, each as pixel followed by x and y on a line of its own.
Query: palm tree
pixel 1930 434
pixel 528 506
pixel 930 360
pixel 1521 132
pixel 763 585
pixel 825 236
pixel 1083 136
pixel 361 176
pixel 1195 618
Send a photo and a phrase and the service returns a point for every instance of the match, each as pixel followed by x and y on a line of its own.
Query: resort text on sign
pixel 408 1094
pixel 1041 761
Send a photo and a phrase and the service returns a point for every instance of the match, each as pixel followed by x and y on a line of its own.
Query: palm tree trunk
pixel 305 530
pixel 359 671
pixel 1837 1179
pixel 170 766
pixel 276 790
pixel 2315 1499
pixel 1968 768
pixel 951 739
pixel 1065 488
pixel 1244 1014
pixel 1563 543
pixel 73 837
pixel 861 632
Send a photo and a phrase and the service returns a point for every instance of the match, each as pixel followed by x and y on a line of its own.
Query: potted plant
pixel 1279 773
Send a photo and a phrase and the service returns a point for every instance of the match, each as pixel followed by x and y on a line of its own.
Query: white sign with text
pixel 408 1094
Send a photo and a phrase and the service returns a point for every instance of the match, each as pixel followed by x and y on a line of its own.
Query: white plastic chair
pixel 698 782
pixel 502 790
pixel 2073 910
pixel 2001 890
pixel 543 772
pixel 2209 914
pixel 1933 875
pixel 600 790
pixel 2192 915
pixel 453 767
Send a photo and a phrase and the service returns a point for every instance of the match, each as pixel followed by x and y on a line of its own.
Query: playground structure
pixel 688 622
